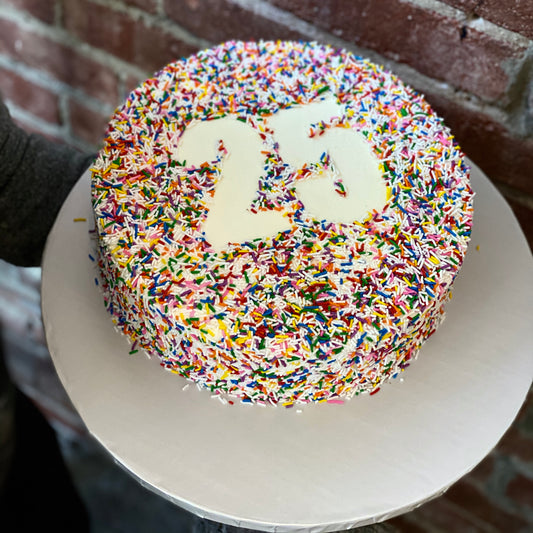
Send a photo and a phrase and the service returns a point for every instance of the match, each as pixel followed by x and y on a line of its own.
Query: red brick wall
pixel 66 64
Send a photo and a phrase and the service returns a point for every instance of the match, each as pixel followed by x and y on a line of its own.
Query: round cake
pixel 279 222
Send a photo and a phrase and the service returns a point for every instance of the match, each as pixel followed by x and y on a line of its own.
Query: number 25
pixel 229 218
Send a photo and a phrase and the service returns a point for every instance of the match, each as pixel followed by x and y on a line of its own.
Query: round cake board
pixel 314 468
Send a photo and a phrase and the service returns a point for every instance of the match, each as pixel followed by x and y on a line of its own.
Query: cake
pixel 279 222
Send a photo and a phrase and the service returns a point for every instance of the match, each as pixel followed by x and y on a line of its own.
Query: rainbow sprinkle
pixel 320 312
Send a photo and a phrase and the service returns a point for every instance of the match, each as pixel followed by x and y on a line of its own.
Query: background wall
pixel 66 64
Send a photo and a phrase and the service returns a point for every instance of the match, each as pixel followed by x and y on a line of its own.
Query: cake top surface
pixel 351 219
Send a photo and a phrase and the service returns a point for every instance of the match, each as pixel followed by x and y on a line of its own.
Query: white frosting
pixel 230 219
pixel 305 250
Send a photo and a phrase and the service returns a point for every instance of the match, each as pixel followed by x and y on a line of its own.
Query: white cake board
pixel 321 467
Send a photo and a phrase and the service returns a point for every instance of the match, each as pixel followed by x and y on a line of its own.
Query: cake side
pixel 291 301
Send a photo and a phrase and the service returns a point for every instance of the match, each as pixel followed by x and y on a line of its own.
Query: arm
pixel 36 176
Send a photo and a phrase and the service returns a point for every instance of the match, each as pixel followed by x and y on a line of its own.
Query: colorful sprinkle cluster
pixel 319 312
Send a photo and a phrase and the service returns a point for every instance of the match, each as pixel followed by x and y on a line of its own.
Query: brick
pixel 503 157
pixel 529 109
pixel 127 37
pixel 514 15
pixel 524 418
pixel 44 10
pixel 442 515
pixel 483 471
pixel 130 83
pixel 150 6
pixel 525 415
pixel 478 506
pixel 517 444
pixel 86 123
pixel 100 26
pixel 61 62
pixel 221 20
pixel 427 40
pixel 162 49
pixel 520 490
pixel 407 523
pixel 35 99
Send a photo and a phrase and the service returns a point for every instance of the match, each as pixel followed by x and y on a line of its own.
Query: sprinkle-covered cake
pixel 279 222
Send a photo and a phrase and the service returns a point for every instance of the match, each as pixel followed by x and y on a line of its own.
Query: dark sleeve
pixel 36 176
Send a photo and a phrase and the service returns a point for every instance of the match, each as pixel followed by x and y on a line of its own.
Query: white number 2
pixel 229 218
